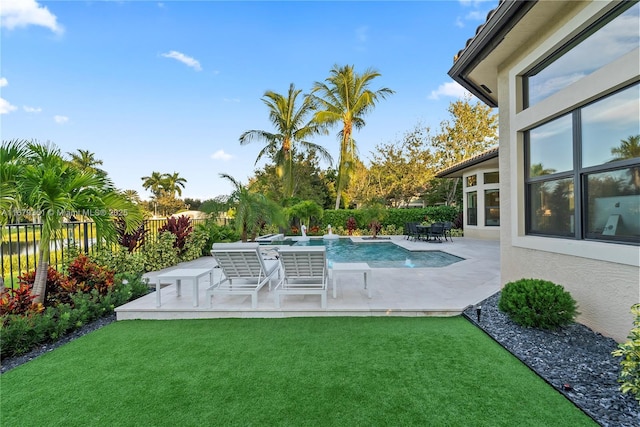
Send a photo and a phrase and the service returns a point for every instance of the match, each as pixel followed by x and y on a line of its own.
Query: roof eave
pixel 502 19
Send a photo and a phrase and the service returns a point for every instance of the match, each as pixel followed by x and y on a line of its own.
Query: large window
pixel 491 207
pixel 597 46
pixel 472 208
pixel 584 171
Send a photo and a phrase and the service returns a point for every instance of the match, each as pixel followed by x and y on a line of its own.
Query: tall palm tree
pixel 345 98
pixel 291 129
pixel 173 183
pixel 86 160
pixel 252 210
pixel 155 182
pixel 50 184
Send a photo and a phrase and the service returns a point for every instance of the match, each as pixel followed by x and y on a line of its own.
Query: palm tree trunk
pixel 40 282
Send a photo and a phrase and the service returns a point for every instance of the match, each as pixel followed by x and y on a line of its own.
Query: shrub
pixel 630 363
pixel 160 253
pixel 88 275
pixel 195 244
pixel 537 303
pixel 58 287
pixel 132 240
pixel 181 227
pixel 19 301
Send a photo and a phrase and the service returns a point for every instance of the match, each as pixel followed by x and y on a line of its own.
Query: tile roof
pixel 471 161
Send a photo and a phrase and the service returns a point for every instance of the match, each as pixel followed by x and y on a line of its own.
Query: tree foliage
pixel 344 97
pixel 471 129
pixel 401 171
pixel 292 129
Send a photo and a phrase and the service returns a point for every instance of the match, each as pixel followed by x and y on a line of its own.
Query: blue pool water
pixel 381 254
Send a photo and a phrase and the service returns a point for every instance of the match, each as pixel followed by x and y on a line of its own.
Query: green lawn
pixel 367 371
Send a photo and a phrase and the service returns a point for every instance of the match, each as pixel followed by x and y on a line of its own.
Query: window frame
pixel 579 175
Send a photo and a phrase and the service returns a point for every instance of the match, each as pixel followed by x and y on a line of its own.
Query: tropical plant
pixel 12 158
pixel 173 183
pixel 50 185
pixel 373 214
pixel 252 210
pixel 344 97
pixel 85 160
pixel 630 352
pixel 154 182
pixel 291 130
pixel 181 227
pixel 305 211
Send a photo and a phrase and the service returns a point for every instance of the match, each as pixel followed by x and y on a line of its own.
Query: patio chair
pixel 448 225
pixel 436 231
pixel 305 272
pixel 244 270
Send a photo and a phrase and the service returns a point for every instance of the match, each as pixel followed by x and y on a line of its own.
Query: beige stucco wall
pixel 604 278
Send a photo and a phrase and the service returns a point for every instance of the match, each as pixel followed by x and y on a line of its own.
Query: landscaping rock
pixel 574 360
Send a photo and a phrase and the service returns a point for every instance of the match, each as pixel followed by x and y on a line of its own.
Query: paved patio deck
pixel 442 291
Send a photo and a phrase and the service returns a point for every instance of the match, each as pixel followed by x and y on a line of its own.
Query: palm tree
pixel 86 160
pixel 132 196
pixel 12 157
pixel 156 183
pixel 50 184
pixel 173 183
pixel 629 148
pixel 345 98
pixel 253 210
pixel 291 129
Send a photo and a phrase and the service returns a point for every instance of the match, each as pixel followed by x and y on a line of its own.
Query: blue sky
pixel 170 86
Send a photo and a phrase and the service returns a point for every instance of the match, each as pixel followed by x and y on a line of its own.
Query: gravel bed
pixel 575 360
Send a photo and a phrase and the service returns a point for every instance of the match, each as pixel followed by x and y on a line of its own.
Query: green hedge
pixel 394 216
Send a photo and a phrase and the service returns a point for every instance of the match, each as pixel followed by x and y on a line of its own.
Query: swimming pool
pixel 381 254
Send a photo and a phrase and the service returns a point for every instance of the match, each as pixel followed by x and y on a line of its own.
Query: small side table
pixel 180 274
pixel 351 267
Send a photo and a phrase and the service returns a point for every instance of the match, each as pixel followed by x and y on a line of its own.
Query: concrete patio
pixel 441 291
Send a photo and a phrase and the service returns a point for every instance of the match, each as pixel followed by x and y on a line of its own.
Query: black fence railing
pixel 21 243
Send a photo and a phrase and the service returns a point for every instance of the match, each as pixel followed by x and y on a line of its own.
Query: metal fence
pixel 20 244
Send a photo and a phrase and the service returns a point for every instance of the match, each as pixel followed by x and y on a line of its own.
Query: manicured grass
pixel 300 372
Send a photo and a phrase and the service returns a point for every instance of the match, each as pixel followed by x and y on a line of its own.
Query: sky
pixel 170 86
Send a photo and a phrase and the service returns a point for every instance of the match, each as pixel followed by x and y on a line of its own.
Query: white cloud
pixel 31 109
pixel 478 14
pixel 451 89
pixel 3 82
pixel 6 107
pixel 22 13
pixel 221 155
pixel 61 119
pixel 187 60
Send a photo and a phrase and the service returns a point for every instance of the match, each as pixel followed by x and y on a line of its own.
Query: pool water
pixel 381 254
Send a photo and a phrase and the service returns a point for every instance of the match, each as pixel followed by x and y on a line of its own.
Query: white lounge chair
pixel 305 272
pixel 244 270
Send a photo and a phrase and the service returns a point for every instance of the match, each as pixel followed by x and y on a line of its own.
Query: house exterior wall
pixel 479 231
pixel 603 277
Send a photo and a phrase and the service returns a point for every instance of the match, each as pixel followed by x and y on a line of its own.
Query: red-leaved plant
pixel 19 301
pixel 351 225
pixel 181 227
pixel 57 289
pixel 85 275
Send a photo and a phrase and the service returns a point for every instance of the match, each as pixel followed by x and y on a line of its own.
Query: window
pixel 491 177
pixel 613 37
pixel 472 181
pixel 584 171
pixel 472 208
pixel 491 207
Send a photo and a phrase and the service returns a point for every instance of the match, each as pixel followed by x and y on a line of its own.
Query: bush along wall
pixel 394 216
